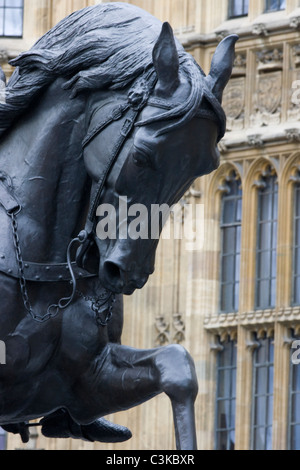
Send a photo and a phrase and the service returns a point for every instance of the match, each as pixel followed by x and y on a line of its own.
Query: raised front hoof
pixel 61 426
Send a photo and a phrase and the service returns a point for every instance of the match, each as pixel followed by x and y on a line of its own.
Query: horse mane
pixel 106 46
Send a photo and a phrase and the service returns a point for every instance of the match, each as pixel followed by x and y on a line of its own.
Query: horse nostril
pixel 112 271
pixel 118 280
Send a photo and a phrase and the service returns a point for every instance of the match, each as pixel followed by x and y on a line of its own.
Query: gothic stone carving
pixel 295 22
pixel 294 98
pixel 260 29
pixel 234 94
pixel 268 96
pixel 179 327
pixel 163 330
pixel 234 103
pixel 293 135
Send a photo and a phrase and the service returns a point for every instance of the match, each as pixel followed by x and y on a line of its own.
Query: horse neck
pixel 42 155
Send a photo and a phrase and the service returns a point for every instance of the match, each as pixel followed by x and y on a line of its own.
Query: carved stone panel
pixel 269 93
pixel 179 328
pixel 268 99
pixel 269 59
pixel 268 96
pixel 294 98
pixel 167 333
pixel 163 331
pixel 234 103
pixel 240 64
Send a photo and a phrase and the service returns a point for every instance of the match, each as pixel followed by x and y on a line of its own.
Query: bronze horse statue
pixel 106 105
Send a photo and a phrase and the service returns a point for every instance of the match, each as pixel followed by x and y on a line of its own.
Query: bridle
pixel 138 98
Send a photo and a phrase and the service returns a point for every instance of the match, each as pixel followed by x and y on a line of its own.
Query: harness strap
pixel 38 272
pixel 7 200
pixel 44 272
pixel 125 131
pixel 90 226
pixel 137 100
pixel 115 116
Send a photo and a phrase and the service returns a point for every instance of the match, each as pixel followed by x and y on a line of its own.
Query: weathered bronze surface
pixel 106 105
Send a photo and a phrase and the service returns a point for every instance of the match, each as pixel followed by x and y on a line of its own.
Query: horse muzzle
pixel 114 278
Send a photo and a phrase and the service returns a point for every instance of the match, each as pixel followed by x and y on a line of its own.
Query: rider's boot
pixel 61 425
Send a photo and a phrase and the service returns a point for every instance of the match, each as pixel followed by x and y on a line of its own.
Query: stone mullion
pixel 204 275
pixel 37 21
pixel 243 390
pixel 291 5
pixel 205 406
pixel 281 387
pixel 284 291
pixel 256 8
pixel 248 248
pixel 285 242
pixel 247 293
pixel 250 86
pixel 286 72
pixel 210 15
pixel 60 9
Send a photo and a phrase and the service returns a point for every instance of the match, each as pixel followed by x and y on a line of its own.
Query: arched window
pixel 275 5
pixel 262 395
pixel 238 8
pixel 11 18
pixel 231 220
pixel 266 252
pixel 226 396
pixel 296 244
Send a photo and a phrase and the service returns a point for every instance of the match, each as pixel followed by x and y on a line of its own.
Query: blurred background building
pixel 234 303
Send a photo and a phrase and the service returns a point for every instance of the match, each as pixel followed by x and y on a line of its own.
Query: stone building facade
pixel 234 301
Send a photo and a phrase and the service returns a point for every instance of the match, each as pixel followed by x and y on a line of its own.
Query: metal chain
pixel 98 302
pixel 108 317
pixel 20 264
pixel 22 279
pixel 53 310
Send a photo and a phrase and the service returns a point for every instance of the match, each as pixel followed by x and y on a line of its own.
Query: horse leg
pixel 130 377
pixel 179 382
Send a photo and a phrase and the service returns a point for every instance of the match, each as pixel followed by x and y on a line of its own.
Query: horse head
pixel 152 121
pixel 174 141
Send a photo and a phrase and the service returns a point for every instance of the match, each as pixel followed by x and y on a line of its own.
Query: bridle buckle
pixel 127 127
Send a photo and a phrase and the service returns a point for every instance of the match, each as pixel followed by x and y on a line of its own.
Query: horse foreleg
pixel 131 377
pixel 179 382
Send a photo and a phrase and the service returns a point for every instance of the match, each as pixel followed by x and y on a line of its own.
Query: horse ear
pixel 166 61
pixel 222 65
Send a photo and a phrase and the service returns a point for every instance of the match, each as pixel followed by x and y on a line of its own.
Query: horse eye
pixel 141 159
